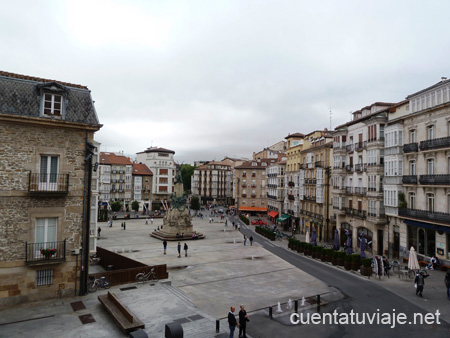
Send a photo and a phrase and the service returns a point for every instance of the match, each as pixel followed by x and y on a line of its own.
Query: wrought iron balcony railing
pixel 319 163
pixel 349 167
pixel 443 142
pixel 434 179
pixel 410 148
pixel 349 148
pixel 291 197
pixel 360 167
pixel 426 215
pixel 360 191
pixel 46 183
pixel 360 145
pixel 46 252
pixel 291 184
pixel 409 179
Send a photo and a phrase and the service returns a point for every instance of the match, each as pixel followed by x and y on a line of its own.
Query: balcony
pixel 253 185
pixel 434 179
pixel 244 175
pixel 349 148
pixel 360 191
pixel 244 195
pixel 319 164
pixel 291 184
pixel 33 252
pixel 360 167
pixel 123 181
pixel 360 146
pixel 253 195
pixel 349 168
pixel 244 186
pixel 291 197
pixel 349 190
pixel 113 180
pixel 425 215
pixel 437 143
pixel 48 184
pixel 410 148
pixel 310 198
pixel 409 179
pixel 348 211
pixel 359 213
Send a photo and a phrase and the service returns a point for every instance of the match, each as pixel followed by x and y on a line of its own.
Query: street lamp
pixel 328 174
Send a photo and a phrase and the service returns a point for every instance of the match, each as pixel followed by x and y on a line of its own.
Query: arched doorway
pixel 344 227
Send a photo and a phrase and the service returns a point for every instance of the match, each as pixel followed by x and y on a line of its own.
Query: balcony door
pixel 45 234
pixel 48 174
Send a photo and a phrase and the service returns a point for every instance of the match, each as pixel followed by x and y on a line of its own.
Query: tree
pixel 116 206
pixel 135 205
pixel 187 171
pixel 402 200
pixel 195 203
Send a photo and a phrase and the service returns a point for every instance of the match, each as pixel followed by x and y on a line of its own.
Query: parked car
pixel 258 222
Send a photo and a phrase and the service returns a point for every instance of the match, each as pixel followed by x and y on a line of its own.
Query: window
pixel 430 132
pixel 412 136
pixel 412 200
pixel 430 166
pixel 52 104
pixel 48 172
pixel 44 277
pixel 412 167
pixel 430 202
pixel 46 230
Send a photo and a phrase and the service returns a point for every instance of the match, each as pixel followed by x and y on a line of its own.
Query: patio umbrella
pixel 336 245
pixel 349 249
pixel 307 236
pixel 363 241
pixel 413 264
pixel 314 237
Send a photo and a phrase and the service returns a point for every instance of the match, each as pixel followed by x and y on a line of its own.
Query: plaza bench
pixel 126 319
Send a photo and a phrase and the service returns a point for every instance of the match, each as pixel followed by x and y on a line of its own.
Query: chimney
pixel 443 79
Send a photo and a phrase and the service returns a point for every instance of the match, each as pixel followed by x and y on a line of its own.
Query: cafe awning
pixel 252 209
pixel 273 214
pixel 283 218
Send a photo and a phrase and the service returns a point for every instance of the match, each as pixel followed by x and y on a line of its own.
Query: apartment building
pixel 271 152
pixel 142 184
pixel 275 189
pixel 251 186
pixel 291 205
pixel 314 185
pixel 212 183
pixel 116 179
pixel 358 162
pixel 161 162
pixel 426 173
pixel 46 138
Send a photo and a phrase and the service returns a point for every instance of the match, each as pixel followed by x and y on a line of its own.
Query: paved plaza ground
pixel 218 272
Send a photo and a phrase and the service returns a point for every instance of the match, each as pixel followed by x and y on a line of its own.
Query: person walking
pixel 99 230
pixel 146 220
pixel 232 321
pixel 251 240
pixel 165 246
pixel 245 240
pixel 243 319
pixel 447 283
pixel 179 249
pixel 185 249
pixel 420 282
pixel 239 226
pixel 151 220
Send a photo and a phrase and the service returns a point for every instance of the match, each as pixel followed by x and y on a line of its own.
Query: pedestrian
pixel 165 246
pixel 99 230
pixel 251 240
pixel 146 220
pixel 124 225
pixel 226 222
pixel 447 283
pixel 232 321
pixel 185 249
pixel 110 224
pixel 239 226
pixel 151 220
pixel 420 282
pixel 243 319
pixel 179 249
pixel 245 240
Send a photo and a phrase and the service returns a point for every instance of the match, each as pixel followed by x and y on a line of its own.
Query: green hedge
pixel 265 232
pixel 348 258
pixel 367 262
pixel 356 257
pixel 342 254
pixel 244 219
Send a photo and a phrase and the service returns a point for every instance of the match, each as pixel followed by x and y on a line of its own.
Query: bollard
pixel 174 330
pixel 217 326
pixel 296 306
pixel 270 312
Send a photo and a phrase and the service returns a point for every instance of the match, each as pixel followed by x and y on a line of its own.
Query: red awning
pixel 273 214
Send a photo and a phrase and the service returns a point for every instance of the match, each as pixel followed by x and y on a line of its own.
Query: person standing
pixel 420 282
pixel 447 283
pixel 165 246
pixel 251 240
pixel 99 230
pixel 243 319
pixel 146 220
pixel 179 249
pixel 151 220
pixel 245 240
pixel 239 226
pixel 232 321
pixel 185 249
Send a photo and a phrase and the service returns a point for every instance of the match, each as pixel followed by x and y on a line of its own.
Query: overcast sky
pixel 210 79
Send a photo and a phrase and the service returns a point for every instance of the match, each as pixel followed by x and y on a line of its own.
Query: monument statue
pixel 177 223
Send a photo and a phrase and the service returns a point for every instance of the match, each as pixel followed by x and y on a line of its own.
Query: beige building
pixel 250 180
pixel 314 185
pixel 212 183
pixel 273 151
pixel 46 133
pixel 275 189
pixel 142 186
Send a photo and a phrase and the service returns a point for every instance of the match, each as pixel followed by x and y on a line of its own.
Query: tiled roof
pixel 111 158
pixel 295 135
pixel 443 81
pixel 157 150
pixel 141 169
pixel 20 95
pixel 249 164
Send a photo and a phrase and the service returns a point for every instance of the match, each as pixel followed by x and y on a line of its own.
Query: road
pixel 364 297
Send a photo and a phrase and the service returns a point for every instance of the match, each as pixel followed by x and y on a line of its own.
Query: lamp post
pixel 328 174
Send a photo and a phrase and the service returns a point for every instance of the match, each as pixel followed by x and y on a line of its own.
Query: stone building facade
pixel 275 189
pixel 212 183
pixel 46 133
pixel 142 186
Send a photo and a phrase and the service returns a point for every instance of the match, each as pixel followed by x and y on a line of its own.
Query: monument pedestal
pixel 177 225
